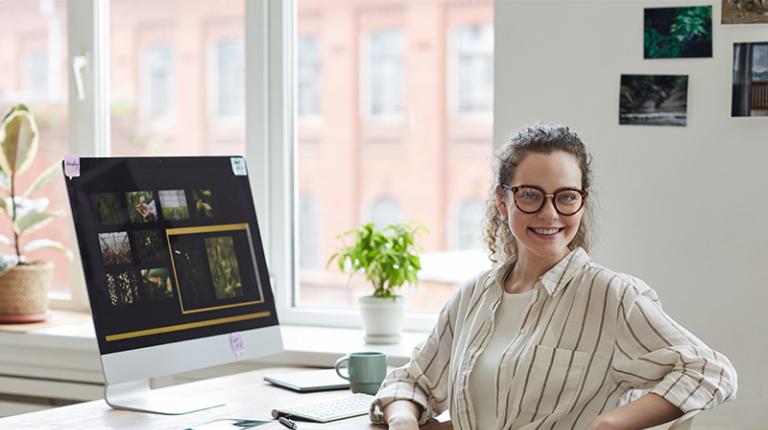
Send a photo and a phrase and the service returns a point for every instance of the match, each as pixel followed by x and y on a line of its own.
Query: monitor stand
pixel 138 396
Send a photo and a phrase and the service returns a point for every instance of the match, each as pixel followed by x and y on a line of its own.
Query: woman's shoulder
pixel 618 285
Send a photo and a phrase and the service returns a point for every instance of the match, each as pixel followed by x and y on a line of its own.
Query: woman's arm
pixel 402 415
pixel 647 411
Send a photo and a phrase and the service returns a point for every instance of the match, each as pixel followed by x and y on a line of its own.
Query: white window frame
pixel 88 37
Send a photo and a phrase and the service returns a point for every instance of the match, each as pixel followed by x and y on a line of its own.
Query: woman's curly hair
pixel 538 138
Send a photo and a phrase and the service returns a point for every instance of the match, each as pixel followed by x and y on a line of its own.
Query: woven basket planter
pixel 24 293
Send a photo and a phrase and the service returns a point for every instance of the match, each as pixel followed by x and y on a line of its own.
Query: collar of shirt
pixel 555 278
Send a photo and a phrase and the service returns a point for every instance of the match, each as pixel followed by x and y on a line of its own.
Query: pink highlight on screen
pixel 72 166
pixel 237 343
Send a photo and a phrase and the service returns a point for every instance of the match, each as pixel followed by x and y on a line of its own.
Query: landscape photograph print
pixel 744 12
pixel 157 283
pixel 123 288
pixel 224 268
pixel 115 248
pixel 749 95
pixel 149 246
pixel 677 32
pixel 653 100
pixel 108 208
pixel 141 206
pixel 174 204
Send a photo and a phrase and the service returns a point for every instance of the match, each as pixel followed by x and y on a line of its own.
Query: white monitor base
pixel 137 396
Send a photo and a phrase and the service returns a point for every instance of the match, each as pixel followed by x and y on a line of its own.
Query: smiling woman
pixel 562 341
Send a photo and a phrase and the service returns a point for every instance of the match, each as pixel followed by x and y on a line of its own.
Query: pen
pixel 288 423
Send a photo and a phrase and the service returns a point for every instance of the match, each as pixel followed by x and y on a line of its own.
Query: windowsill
pixel 69 336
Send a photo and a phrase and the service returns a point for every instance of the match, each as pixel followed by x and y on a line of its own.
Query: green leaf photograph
pixel 678 32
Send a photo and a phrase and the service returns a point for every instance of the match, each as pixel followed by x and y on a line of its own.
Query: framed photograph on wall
pixel 749 95
pixel 744 12
pixel 677 32
pixel 654 100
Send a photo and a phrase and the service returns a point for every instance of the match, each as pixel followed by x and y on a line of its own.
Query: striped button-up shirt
pixel 590 340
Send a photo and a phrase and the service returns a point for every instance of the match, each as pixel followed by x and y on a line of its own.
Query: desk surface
pixel 247 396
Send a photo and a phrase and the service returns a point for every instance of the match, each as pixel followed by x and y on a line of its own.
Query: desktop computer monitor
pixel 175 270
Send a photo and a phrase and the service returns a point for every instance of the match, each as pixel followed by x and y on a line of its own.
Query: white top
pixel 485 374
pixel 591 340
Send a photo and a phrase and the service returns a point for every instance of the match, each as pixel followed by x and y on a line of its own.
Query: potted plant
pixel 23 282
pixel 388 258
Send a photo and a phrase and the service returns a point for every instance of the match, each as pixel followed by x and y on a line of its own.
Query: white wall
pixel 684 208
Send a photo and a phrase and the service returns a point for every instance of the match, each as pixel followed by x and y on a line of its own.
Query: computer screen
pixel 173 261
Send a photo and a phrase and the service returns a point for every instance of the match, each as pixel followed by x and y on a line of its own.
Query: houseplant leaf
pixel 34 245
pixel 19 141
pixel 35 220
pixel 43 178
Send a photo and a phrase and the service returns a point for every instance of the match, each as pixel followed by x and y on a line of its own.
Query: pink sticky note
pixel 237 343
pixel 72 165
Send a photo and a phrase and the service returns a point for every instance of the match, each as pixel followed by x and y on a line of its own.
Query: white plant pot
pixel 382 318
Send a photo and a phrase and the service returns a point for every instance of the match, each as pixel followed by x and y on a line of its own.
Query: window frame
pixel 270 141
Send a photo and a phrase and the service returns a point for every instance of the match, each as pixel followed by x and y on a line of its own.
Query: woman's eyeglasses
pixel 531 198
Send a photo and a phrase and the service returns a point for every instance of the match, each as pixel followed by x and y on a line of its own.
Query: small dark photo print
pixel 678 32
pixel 108 208
pixel 749 96
pixel 115 248
pixel 149 246
pixel 745 12
pixel 202 201
pixel 653 100
pixel 174 204
pixel 141 206
pixel 123 288
pixel 157 283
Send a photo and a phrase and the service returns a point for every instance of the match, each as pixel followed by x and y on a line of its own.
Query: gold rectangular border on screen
pixel 205 229
pixel 186 326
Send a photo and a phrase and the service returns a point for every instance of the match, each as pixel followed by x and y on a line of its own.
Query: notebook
pixel 309 381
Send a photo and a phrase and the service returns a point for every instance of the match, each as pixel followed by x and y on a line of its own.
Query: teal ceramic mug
pixel 365 371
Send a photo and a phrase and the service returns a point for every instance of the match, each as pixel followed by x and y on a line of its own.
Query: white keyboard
pixel 329 410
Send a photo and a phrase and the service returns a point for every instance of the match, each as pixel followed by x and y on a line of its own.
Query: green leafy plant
pixel 387 256
pixel 18 147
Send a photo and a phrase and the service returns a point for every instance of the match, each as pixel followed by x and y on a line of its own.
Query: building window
pixel 309 233
pixel 384 74
pixel 473 46
pixel 157 79
pixel 385 211
pixel 308 76
pixel 230 78
pixel 35 73
pixel 469 225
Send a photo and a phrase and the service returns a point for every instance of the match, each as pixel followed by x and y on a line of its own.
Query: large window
pixel 34 46
pixel 387 149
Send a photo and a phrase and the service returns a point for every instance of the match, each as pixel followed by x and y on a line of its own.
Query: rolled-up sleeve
pixel 424 380
pixel 656 354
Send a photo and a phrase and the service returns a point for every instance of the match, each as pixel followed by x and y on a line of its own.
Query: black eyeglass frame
pixel 544 200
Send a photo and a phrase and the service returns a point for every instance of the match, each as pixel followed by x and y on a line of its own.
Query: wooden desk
pixel 247 396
